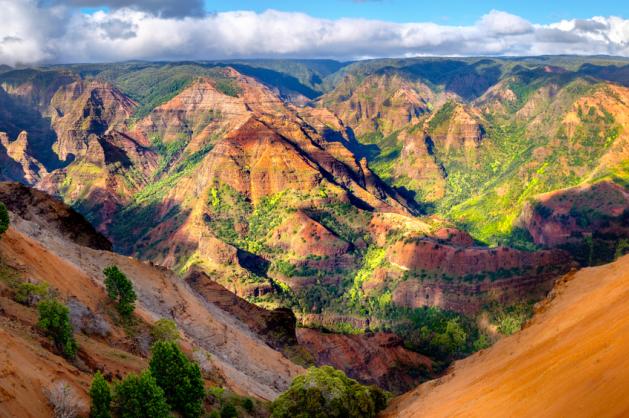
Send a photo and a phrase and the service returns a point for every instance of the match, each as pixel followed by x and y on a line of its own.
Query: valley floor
pixel 570 361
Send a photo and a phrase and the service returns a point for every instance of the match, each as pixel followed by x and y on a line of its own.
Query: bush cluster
pixel 164 330
pixel 172 382
pixel 325 392
pixel 179 377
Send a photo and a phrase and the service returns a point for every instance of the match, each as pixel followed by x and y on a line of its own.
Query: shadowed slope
pixel 570 361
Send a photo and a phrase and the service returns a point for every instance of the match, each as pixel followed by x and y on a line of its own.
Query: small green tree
pixel 452 340
pixel 139 396
pixel 55 321
pixel 4 219
pixel 120 290
pixel 179 377
pixel 326 392
pixel 247 403
pixel 164 330
pixel 100 395
pixel 229 411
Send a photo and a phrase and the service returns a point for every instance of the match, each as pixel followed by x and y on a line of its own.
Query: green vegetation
pixel 172 382
pixel 442 116
pixel 154 84
pixel 488 198
pixel 100 395
pixel 137 218
pixel 139 396
pixel 229 411
pixel 225 403
pixel 373 258
pixel 54 320
pixel 179 377
pixel 4 219
pixel 325 392
pixel 120 290
pixel 165 330
pixel 30 294
pixel 441 335
pixel 510 319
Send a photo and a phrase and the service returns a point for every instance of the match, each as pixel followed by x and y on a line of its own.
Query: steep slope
pixel 199 167
pixel 379 359
pixel 238 345
pixel 382 102
pixel 35 249
pixel 233 175
pixel 569 361
pixel 532 153
pixel 481 161
pixel 73 140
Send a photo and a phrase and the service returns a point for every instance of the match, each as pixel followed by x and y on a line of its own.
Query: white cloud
pixel 32 34
pixel 502 23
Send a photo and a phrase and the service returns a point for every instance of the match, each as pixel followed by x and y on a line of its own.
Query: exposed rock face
pixel 106 164
pixel 151 186
pixel 84 111
pixel 38 207
pixel 260 148
pixel 423 254
pixel 588 220
pixel 194 114
pixel 301 235
pixel 469 298
pixel 27 140
pixel 380 102
pixel 377 359
pixel 273 163
pixel 276 327
pixel 38 88
pixel 31 169
pixel 461 130
pixel 463 279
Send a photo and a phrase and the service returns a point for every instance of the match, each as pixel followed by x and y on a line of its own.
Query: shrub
pixel 326 392
pixel 452 340
pixel 54 320
pixel 247 403
pixel 120 290
pixel 509 325
pixel 179 377
pixel 30 294
pixel 63 399
pixel 100 395
pixel 229 411
pixel 165 330
pixel 441 335
pixel 139 396
pixel 510 319
pixel 4 219
pixel 481 343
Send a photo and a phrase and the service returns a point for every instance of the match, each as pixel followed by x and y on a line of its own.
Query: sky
pixel 66 31
pixel 459 12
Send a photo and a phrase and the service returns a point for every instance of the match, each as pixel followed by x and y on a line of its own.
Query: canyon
pixel 362 223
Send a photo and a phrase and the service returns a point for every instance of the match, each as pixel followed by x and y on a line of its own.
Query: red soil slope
pixel 571 361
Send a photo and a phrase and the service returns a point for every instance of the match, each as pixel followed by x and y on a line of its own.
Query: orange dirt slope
pixel 572 360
